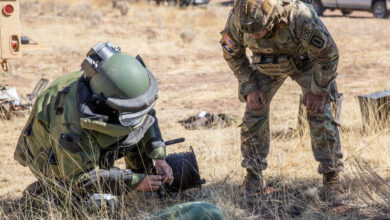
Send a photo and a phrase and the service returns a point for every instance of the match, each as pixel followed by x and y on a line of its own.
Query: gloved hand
pixel 256 100
pixel 165 170
pixel 313 103
pixel 149 183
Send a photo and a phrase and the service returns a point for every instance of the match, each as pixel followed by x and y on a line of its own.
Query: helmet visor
pixel 132 119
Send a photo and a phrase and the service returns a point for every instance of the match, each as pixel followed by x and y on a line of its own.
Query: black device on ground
pixel 185 172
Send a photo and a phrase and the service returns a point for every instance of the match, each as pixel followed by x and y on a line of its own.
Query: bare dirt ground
pixel 181 47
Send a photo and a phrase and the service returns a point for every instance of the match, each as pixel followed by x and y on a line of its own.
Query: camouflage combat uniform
pixel 299 47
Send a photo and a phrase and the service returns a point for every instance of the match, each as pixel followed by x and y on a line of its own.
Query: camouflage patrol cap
pixel 253 16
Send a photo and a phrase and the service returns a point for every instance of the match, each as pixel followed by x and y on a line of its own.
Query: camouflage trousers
pixel 255 134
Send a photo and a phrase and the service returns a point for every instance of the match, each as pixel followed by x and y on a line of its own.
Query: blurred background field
pixel 181 47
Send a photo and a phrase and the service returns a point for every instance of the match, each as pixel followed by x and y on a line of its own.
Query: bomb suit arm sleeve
pixel 118 181
pixel 234 52
pixel 320 47
pixel 154 143
pixel 114 181
pixel 79 165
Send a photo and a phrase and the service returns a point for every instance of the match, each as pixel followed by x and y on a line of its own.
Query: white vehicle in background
pixel 380 8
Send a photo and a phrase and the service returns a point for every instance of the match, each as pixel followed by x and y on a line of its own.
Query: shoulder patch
pixel 317 41
pixel 227 42
pixel 306 33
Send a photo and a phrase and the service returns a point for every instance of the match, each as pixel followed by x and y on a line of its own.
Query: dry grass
pixel 193 77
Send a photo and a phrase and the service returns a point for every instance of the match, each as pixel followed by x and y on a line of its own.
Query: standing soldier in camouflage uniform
pixel 287 39
pixel 87 119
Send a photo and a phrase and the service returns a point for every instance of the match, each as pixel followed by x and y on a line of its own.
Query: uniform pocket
pixel 275 65
pixel 70 143
pixel 69 159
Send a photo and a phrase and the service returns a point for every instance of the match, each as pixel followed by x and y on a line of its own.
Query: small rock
pixel 187 35
pixel 123 7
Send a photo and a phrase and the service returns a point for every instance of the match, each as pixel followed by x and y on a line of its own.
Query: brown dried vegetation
pixel 181 46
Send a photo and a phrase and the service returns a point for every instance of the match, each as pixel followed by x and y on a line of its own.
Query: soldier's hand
pixel 165 170
pixel 256 100
pixel 314 103
pixel 149 183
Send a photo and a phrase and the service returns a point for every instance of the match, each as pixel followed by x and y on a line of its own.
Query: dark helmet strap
pixel 84 101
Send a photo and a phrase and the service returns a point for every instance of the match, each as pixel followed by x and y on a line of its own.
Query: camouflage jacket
pixel 59 142
pixel 298 43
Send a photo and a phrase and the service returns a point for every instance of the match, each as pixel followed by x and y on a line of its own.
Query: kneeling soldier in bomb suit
pixel 87 119
pixel 287 39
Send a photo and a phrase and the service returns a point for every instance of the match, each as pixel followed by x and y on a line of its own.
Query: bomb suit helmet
pixel 121 82
pixel 253 16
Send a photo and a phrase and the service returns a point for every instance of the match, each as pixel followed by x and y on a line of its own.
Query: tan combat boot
pixel 332 191
pixel 253 184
